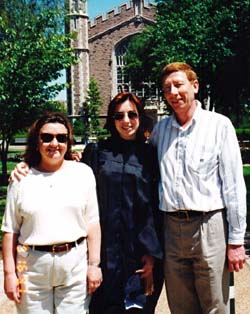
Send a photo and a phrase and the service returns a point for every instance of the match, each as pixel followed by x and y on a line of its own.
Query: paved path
pixel 242 294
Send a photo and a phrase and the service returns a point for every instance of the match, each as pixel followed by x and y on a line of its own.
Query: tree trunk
pixel 4 155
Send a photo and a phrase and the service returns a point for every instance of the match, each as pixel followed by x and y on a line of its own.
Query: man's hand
pixel 236 257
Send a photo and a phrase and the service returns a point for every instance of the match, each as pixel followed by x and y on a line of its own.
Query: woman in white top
pixel 51 241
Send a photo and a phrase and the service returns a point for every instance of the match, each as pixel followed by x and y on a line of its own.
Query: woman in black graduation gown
pixel 126 171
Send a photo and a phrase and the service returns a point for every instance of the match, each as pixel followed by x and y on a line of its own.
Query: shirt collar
pixel 197 114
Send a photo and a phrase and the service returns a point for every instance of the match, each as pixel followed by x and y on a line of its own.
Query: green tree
pixel 33 52
pixel 211 35
pixel 54 106
pixel 90 112
pixel 232 89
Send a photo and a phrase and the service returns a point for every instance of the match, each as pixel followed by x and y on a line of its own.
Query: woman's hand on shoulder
pixel 77 156
pixel 20 171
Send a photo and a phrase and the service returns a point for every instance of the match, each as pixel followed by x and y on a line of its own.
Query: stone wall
pixel 105 32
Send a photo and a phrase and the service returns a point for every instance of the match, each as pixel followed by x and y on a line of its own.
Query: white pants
pixel 53 283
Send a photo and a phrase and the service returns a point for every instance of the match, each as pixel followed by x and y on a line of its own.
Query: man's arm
pixel 234 194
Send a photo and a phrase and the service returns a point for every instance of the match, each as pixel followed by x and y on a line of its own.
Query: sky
pixel 97 7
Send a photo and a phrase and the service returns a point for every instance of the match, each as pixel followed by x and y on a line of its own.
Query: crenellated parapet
pixel 113 13
pixel 121 14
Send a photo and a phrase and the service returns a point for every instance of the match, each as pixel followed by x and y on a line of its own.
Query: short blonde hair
pixel 179 66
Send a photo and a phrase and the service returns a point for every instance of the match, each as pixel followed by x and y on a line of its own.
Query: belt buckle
pixel 187 214
pixel 55 246
pixel 183 214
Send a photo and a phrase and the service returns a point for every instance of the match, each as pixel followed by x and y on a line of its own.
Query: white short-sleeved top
pixel 47 208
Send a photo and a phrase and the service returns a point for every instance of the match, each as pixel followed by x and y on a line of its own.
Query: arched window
pixel 121 78
pixel 79 5
pixel 122 82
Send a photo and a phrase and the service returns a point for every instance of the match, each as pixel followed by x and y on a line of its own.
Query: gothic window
pixel 123 83
pixel 75 5
pixel 126 88
pixel 137 7
pixel 146 90
pixel 79 5
pixel 75 21
pixel 119 75
pixel 153 91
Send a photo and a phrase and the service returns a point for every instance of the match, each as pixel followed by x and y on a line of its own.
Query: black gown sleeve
pixel 151 233
pixel 90 157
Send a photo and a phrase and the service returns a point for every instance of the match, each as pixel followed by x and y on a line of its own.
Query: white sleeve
pixel 12 220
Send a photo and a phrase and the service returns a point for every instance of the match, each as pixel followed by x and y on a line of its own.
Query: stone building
pixel 101 45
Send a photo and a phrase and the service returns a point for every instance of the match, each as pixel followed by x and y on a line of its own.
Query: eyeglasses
pixel 48 137
pixel 120 115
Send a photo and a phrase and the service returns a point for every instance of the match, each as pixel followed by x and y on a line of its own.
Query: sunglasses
pixel 48 137
pixel 120 115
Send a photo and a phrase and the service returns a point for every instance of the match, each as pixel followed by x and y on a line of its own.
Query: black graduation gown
pixel 126 174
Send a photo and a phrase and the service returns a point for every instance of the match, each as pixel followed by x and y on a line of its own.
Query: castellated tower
pixel 101 45
pixel 78 75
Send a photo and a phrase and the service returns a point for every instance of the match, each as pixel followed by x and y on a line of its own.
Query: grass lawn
pixel 246 171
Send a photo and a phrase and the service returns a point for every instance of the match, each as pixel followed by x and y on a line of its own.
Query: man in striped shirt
pixel 203 193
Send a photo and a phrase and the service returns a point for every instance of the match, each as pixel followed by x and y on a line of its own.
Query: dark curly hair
pixel 32 155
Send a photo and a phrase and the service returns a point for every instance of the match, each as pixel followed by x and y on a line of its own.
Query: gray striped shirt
pixel 201 168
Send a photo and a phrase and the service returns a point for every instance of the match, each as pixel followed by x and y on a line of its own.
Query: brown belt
pixel 57 248
pixel 188 214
